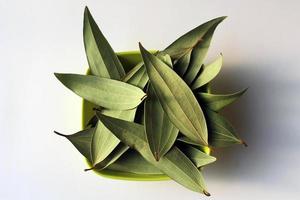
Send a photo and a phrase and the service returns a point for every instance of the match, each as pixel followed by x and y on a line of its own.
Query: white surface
pixel 260 42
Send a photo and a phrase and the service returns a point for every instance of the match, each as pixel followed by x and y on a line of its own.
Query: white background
pixel 260 42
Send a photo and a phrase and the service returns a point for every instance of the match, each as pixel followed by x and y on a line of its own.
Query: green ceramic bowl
pixel 129 59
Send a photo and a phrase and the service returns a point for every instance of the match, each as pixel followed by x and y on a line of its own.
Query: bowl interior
pixel 129 59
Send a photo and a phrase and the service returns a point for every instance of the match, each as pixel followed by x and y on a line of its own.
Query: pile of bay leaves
pixel 158 118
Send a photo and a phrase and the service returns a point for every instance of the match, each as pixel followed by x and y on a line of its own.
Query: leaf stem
pixel 206 193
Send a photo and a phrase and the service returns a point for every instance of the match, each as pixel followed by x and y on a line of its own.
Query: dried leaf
pixel 209 72
pixel 176 98
pixel 102 59
pixel 189 40
pixel 131 161
pixel 198 157
pixel 216 102
pixel 221 133
pixel 182 64
pixel 104 142
pixel 107 93
pixel 174 164
pixel 160 132
pixel 81 140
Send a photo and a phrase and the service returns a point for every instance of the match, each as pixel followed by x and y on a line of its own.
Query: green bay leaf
pixel 104 142
pixel 189 141
pixel 186 42
pixel 176 98
pixel 112 157
pixel 174 164
pixel 81 141
pixel 131 161
pixel 102 59
pixel 198 157
pixel 107 93
pixel 216 102
pixel 198 55
pixel 221 132
pixel 160 131
pixel 137 76
pixel 182 64
pixel 208 73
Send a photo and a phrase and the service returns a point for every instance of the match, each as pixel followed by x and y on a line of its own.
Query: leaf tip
pixel 222 18
pixel 244 143
pixel 156 156
pixel 60 134
pixel 142 49
pixel 206 193
pixel 86 10
pixel 58 75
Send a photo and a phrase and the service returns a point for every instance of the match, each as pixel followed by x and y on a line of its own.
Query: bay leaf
pixel 189 141
pixel 166 58
pixel 209 72
pixel 81 141
pixel 221 132
pixel 216 102
pixel 131 161
pixel 107 93
pixel 112 157
pixel 189 40
pixel 92 122
pixel 101 57
pixel 176 98
pixel 182 64
pixel 160 132
pixel 198 55
pixel 137 76
pixel 104 142
pixel 198 157
pixel 174 164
